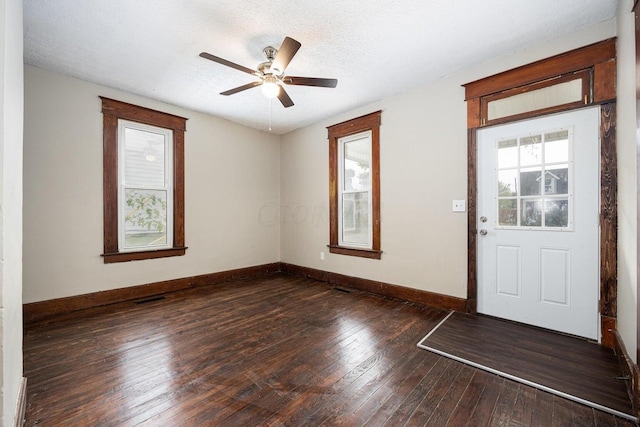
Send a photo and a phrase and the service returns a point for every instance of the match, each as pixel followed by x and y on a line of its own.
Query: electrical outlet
pixel 321 256
pixel 459 206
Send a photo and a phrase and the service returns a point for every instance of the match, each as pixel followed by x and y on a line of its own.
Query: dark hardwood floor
pixel 571 366
pixel 275 351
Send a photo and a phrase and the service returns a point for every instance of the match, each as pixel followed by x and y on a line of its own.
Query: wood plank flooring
pixel 569 365
pixel 275 351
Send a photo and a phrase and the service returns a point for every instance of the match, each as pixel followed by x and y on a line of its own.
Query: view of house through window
pixel 145 190
pixel 355 188
pixel 534 181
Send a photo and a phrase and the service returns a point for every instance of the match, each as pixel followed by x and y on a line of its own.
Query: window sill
pixel 140 255
pixel 363 253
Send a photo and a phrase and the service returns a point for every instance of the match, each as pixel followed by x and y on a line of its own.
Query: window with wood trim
pixel 143 167
pixel 354 187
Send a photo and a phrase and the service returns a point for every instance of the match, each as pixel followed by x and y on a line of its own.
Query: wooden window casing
pixel 112 111
pixel 370 122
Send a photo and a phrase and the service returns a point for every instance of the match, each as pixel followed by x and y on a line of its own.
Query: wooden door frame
pixel 599 59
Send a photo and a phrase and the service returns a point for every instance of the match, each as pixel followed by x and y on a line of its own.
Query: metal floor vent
pixel 152 299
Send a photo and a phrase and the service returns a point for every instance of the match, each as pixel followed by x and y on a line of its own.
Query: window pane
pixel 550 96
pixel 508 154
pixel 556 213
pixel 145 221
pixel 556 180
pixel 508 183
pixel 556 147
pixel 355 218
pixel 530 150
pixel 356 164
pixel 530 181
pixel 508 212
pixel 531 212
pixel 144 158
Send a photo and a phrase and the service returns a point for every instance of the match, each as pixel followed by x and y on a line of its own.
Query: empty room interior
pixel 319 213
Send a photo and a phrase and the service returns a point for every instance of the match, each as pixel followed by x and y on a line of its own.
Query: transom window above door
pixel 534 181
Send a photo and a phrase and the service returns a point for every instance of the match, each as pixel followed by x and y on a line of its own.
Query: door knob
pixel 483 232
pixel 483 219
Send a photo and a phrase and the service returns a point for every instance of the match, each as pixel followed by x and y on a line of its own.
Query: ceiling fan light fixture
pixel 270 87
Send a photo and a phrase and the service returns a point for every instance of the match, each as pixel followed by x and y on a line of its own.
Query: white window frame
pixel 341 191
pixel 122 185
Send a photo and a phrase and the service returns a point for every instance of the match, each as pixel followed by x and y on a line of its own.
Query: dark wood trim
pixel 353 126
pixel 604 81
pixel 364 123
pixel 145 115
pixel 22 404
pixel 608 327
pixel 629 370
pixel 431 299
pixel 110 182
pixel 139 255
pixel 568 62
pixel 600 58
pixel 37 311
pixel 112 111
pixel 178 190
pixel 364 253
pixel 585 98
pixel 472 221
pixel 608 212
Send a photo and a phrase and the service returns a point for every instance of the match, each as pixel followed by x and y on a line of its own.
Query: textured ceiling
pixel 374 48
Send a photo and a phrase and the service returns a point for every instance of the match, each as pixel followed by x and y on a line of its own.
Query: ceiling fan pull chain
pixel 270 112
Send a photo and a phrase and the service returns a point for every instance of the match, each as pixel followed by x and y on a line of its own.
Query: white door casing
pixel 538 262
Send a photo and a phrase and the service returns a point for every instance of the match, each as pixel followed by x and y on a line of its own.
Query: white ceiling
pixel 375 48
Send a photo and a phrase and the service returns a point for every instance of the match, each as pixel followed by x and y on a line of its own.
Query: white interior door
pixel 538 210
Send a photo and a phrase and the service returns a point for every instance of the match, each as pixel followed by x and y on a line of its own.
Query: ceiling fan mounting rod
pixel 270 52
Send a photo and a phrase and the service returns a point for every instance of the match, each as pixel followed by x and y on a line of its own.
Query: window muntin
pixel 145 187
pixel 534 179
pixel 354 182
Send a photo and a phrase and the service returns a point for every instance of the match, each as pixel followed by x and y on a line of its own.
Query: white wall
pixel 232 173
pixel 11 116
pixel 627 178
pixel 423 166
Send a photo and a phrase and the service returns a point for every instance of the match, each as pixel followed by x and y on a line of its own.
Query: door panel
pixel 538 201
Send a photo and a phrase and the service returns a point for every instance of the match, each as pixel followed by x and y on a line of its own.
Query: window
pixel 143 168
pixel 354 186
pixel 534 181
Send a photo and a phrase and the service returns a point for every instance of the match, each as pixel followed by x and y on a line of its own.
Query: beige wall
pixel 232 172
pixel 423 168
pixel 11 116
pixel 627 178
pixel 274 191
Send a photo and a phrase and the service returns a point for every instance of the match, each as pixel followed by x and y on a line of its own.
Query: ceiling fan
pixel 271 72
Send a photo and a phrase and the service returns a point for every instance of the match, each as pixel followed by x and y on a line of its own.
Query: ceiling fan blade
pixel 286 52
pixel 241 88
pixel 284 98
pixel 309 81
pixel 214 58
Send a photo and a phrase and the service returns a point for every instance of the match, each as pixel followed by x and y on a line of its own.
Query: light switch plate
pixel 459 206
